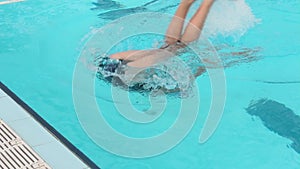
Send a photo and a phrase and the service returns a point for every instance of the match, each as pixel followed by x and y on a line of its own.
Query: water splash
pixel 230 18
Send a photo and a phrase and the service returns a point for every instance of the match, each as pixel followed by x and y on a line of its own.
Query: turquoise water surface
pixel 40 43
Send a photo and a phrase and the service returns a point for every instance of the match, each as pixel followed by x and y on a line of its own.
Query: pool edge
pixel 49 128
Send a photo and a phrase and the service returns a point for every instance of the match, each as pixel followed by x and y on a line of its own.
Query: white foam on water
pixel 229 18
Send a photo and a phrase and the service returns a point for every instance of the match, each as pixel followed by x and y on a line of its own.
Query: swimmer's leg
pixel 123 55
pixel 153 57
pixel 132 55
pixel 193 29
pixel 174 30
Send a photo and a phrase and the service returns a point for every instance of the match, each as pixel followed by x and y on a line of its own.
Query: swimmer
pixel 132 69
pixel 122 68
pixel 174 40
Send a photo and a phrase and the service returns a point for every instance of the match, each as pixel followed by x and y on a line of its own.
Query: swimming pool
pixel 40 45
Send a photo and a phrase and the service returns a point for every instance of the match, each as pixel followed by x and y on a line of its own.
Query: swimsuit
pixel 110 69
pixel 111 65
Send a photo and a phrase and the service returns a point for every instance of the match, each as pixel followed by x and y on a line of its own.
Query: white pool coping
pixel 10 1
pixel 46 145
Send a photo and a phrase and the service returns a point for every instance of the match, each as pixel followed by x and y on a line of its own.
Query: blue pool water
pixel 40 43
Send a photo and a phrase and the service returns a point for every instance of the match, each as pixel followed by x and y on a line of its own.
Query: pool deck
pixel 42 138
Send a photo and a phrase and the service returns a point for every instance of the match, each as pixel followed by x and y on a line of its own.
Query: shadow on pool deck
pixel 278 118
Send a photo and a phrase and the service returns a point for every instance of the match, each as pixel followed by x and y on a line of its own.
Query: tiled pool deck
pixel 52 147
